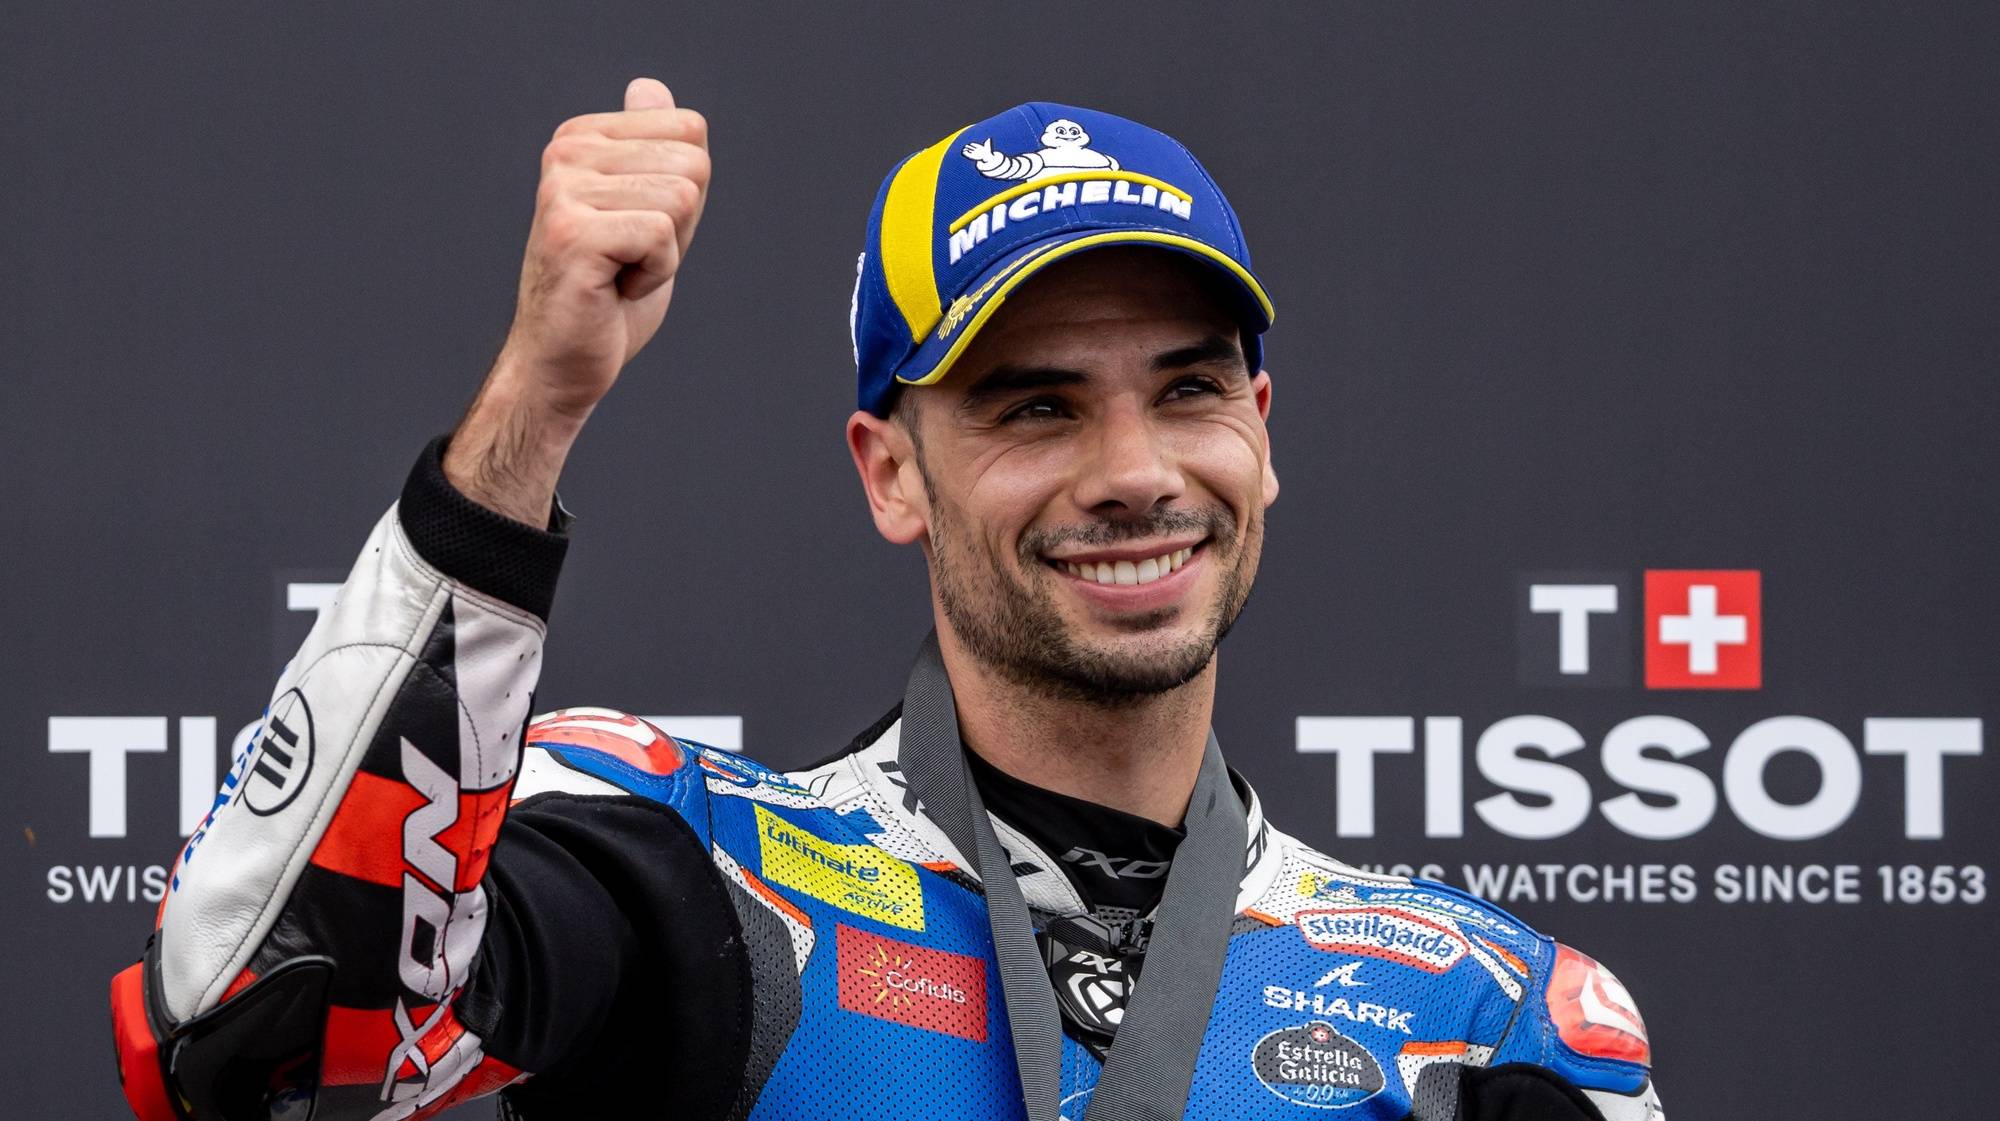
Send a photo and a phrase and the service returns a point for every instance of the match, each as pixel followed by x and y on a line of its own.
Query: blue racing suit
pixel 409 894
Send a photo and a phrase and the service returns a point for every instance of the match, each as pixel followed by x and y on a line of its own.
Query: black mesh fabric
pixel 484 550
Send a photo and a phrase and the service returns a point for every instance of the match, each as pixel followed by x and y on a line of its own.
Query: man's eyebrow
pixel 1003 380
pixel 1215 349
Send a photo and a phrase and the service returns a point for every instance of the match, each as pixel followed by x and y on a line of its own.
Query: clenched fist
pixel 620 196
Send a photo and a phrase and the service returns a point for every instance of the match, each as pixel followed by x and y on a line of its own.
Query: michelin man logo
pixel 1065 147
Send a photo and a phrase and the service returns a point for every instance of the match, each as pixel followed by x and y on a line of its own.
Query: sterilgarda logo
pixel 1384 932
pixel 1312 1064
pixel 1675 633
pixel 1064 172
pixel 859 878
pixel 916 986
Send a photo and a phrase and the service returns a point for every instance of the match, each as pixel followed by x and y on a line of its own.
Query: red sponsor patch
pixel 1593 1012
pixel 1704 629
pixel 935 990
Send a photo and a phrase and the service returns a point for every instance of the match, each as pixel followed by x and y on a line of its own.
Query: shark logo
pixel 1344 975
pixel 1065 147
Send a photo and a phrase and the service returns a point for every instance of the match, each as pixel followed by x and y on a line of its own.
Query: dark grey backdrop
pixel 1562 288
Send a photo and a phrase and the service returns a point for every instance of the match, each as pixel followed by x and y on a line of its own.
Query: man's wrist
pixel 507 454
pixel 504 557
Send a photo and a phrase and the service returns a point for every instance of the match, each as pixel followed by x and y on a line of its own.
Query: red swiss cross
pixel 1704 629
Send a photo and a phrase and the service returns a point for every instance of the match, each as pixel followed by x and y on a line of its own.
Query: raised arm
pixel 331 931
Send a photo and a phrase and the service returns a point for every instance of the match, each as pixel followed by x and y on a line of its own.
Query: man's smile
pixel 1143 563
pixel 1155 582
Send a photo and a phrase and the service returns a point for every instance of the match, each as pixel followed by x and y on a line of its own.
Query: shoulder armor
pixel 601 751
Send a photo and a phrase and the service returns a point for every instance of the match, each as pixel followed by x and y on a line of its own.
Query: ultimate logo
pixel 858 878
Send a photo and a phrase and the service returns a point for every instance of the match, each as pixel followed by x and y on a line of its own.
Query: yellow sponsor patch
pixel 858 878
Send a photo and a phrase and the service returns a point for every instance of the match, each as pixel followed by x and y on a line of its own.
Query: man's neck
pixel 1141 757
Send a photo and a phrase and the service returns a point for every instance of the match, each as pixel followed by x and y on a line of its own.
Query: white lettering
pixel 421 849
pixel 316 598
pixel 1923 743
pixel 107 740
pixel 1354 741
pixel 197 769
pixel 963 240
pixel 1444 776
pixel 1626 763
pixel 1840 778
pixel 1500 760
pixel 1573 605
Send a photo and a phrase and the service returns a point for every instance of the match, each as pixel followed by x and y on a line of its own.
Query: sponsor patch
pixel 1390 933
pixel 858 878
pixel 933 990
pixel 1314 1065
pixel 1321 1004
pixel 1342 892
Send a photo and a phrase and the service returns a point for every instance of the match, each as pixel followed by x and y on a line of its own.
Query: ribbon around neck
pixel 1150 1067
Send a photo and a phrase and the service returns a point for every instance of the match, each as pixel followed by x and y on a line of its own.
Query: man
pixel 1057 335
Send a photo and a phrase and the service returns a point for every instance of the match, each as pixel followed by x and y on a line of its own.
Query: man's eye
pixel 1192 387
pixel 1040 408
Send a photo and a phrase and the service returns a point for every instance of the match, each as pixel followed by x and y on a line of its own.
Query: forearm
pixel 359 827
pixel 507 454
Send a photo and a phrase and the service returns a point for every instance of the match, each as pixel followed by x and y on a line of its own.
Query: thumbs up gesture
pixel 620 196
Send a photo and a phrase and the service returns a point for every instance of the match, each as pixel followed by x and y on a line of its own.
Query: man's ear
pixel 1261 387
pixel 886 459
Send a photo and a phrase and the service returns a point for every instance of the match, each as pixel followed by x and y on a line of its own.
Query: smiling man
pixel 1032 889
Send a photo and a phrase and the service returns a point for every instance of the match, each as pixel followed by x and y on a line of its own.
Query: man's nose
pixel 1131 469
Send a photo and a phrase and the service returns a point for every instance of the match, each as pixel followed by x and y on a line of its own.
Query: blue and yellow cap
pixel 959 225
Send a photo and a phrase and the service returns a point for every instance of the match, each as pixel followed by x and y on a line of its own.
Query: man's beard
pixel 1018 629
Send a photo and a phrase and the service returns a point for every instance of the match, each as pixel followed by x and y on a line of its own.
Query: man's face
pixel 1096 469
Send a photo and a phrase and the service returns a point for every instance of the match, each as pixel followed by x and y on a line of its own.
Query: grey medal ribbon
pixel 1150 1066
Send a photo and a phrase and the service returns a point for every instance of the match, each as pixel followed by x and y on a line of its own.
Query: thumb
pixel 648 93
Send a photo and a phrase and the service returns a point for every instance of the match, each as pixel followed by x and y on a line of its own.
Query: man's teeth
pixel 1125 572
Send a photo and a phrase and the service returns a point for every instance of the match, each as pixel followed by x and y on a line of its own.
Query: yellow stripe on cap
pixel 907 214
pixel 1035 262
pixel 1033 185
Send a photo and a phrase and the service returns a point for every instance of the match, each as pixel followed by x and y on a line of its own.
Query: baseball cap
pixel 960 224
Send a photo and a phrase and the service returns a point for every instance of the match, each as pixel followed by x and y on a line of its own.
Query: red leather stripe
pixel 490 1076
pixel 243 981
pixel 138 1051
pixel 365 838
pixel 358 1042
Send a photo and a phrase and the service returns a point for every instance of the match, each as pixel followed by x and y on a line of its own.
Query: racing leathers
pixel 408 894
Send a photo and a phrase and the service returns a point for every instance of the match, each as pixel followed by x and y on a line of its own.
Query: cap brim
pixel 940 349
